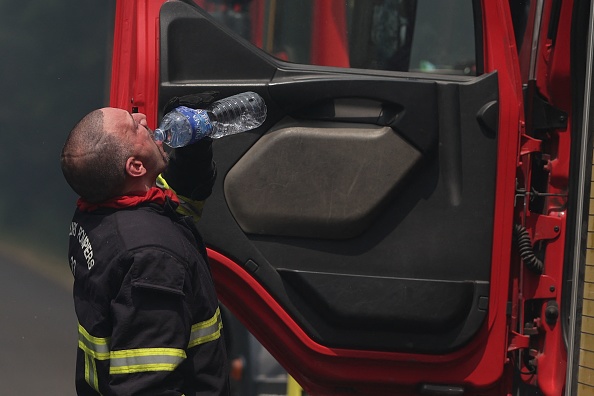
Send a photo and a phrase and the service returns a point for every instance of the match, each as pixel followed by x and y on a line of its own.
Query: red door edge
pixel 336 367
pixel 135 61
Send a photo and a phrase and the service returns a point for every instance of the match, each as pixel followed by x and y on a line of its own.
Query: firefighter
pixel 148 317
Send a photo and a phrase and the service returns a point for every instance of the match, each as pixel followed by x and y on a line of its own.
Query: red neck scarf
pixel 155 194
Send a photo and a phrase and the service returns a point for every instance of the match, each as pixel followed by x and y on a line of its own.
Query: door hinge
pixel 529 145
pixel 547 117
pixel 518 341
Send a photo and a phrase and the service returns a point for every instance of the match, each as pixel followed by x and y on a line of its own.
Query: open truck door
pixel 399 223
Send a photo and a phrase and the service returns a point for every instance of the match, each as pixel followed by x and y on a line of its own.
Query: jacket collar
pixel 155 195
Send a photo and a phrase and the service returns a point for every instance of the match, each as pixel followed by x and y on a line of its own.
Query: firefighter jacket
pixel 148 316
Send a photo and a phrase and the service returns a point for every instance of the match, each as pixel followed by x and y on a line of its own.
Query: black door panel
pixel 364 204
pixel 382 313
pixel 316 180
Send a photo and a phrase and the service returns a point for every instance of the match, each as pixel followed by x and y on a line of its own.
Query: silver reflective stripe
pixel 206 331
pixel 145 359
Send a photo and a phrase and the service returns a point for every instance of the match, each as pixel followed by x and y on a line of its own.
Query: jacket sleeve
pixel 151 327
pixel 191 174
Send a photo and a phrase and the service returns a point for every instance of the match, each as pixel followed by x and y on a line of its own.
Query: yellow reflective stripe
pixel 206 331
pixel 187 207
pixel 145 359
pixel 95 346
pixel 91 372
pixel 190 207
pixel 161 182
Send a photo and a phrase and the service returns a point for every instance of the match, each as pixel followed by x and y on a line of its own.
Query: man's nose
pixel 140 118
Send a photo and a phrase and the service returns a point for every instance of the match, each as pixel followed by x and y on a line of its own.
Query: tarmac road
pixel 38 336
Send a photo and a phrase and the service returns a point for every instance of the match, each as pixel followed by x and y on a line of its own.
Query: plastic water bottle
pixel 228 116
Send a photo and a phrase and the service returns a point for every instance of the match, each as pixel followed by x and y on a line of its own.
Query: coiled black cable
pixel 526 251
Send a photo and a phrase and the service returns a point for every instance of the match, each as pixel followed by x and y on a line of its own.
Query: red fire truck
pixel 412 217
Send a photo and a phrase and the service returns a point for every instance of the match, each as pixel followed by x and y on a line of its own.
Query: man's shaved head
pixel 93 159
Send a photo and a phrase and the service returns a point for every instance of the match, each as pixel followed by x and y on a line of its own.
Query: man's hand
pixel 194 101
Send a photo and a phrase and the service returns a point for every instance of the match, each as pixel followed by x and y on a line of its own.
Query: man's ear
pixel 135 167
